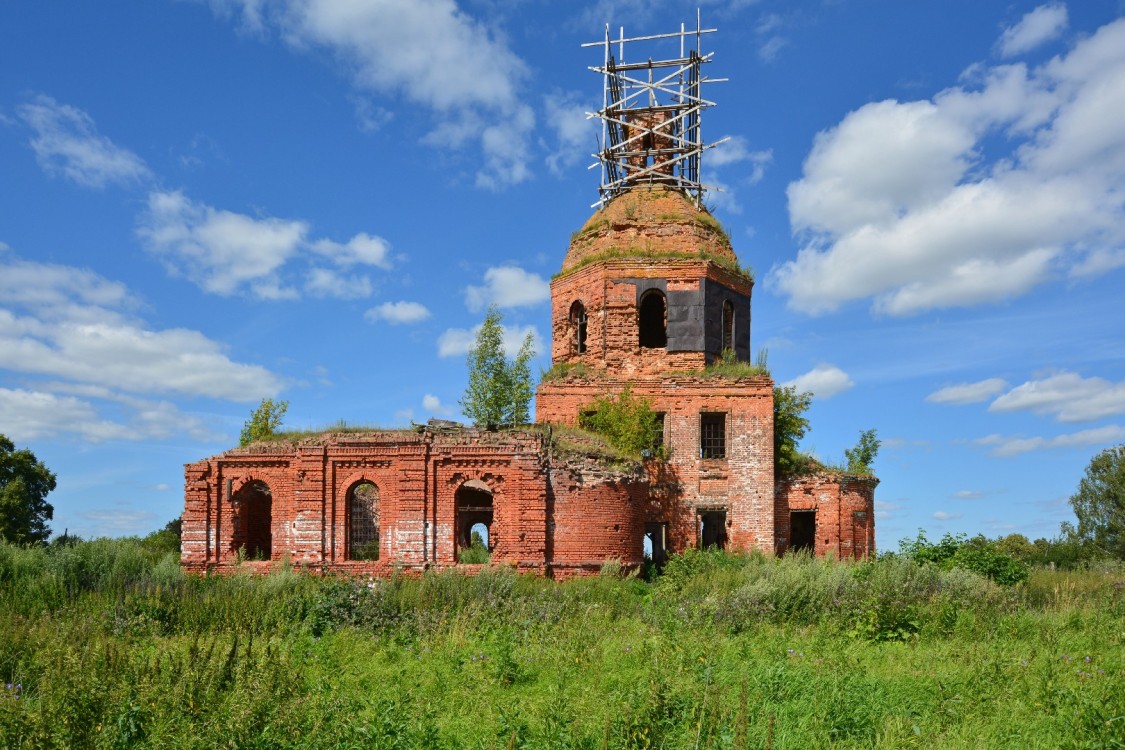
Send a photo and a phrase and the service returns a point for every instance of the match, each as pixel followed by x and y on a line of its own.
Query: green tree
pixel 862 456
pixel 264 421
pixel 24 484
pixel 1099 505
pixel 789 426
pixel 499 389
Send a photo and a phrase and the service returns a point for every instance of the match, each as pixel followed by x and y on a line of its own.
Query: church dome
pixel 650 221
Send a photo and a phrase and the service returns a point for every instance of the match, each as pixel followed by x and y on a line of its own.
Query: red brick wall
pixel 741 484
pixel 588 518
pixel 845 513
pixel 612 333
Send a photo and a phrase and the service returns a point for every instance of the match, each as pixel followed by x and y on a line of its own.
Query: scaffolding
pixel 650 115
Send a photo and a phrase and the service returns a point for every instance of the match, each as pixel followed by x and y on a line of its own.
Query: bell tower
pixel 651 295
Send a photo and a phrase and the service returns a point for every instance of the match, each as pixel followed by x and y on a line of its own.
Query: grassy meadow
pixel 106 644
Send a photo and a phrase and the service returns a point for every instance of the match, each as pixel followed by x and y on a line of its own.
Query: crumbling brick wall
pixel 567 514
pixel 844 509
pixel 740 484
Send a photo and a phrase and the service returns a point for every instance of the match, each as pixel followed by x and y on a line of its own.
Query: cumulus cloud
pixel 575 133
pixel 228 253
pixel 398 313
pixel 1008 446
pixel 92 367
pixel 433 404
pixel 67 143
pixel 456 342
pixel 508 286
pixel 823 381
pixel 736 151
pixel 1067 396
pixel 968 393
pixel 52 327
pixel 898 205
pixel 1040 25
pixel 431 53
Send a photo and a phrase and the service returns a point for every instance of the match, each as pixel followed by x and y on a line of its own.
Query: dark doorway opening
pixel 253 521
pixel 713 529
pixel 653 320
pixel 802 531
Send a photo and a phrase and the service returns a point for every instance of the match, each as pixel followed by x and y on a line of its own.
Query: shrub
pixel 627 422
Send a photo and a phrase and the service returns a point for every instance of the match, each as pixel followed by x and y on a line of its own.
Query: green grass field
pixel 107 645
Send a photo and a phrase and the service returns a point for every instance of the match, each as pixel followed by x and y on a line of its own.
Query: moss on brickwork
pixel 649 253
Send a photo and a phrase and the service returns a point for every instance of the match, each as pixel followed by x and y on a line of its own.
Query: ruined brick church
pixel 650 296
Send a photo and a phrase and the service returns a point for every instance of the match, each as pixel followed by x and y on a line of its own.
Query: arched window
pixel 363 522
pixel 578 322
pixel 474 514
pixel 728 326
pixel 253 521
pixel 653 320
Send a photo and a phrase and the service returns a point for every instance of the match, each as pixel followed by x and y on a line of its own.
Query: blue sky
pixel 207 203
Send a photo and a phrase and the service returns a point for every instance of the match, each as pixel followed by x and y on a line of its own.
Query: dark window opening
pixel 578 321
pixel 474 523
pixel 712 435
pixel 655 545
pixel 363 522
pixel 661 418
pixel 713 529
pixel 653 320
pixel 253 521
pixel 802 531
pixel 728 326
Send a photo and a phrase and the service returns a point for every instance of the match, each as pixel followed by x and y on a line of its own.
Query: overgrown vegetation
pixel 789 426
pixel 729 366
pixel 861 457
pixel 615 253
pixel 628 422
pixel 565 370
pixel 1099 504
pixel 106 644
pixel 264 422
pixel 25 482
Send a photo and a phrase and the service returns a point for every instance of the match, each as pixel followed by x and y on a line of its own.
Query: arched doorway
pixel 253 521
pixel 363 522
pixel 653 320
pixel 474 513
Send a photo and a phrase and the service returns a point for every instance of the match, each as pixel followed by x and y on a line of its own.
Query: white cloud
pixel 735 151
pixel 898 205
pixel 62 322
pixel 221 251
pixel 433 404
pixel 363 249
pixel 454 342
pixel 1067 396
pixel 508 286
pixel 823 381
pixel 328 282
pixel 941 515
pixel 575 134
pixel 769 50
pixel 1013 446
pixel 228 253
pixel 968 393
pixel 967 495
pixel 67 143
pixel 398 312
pixel 430 52
pixel 1040 25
